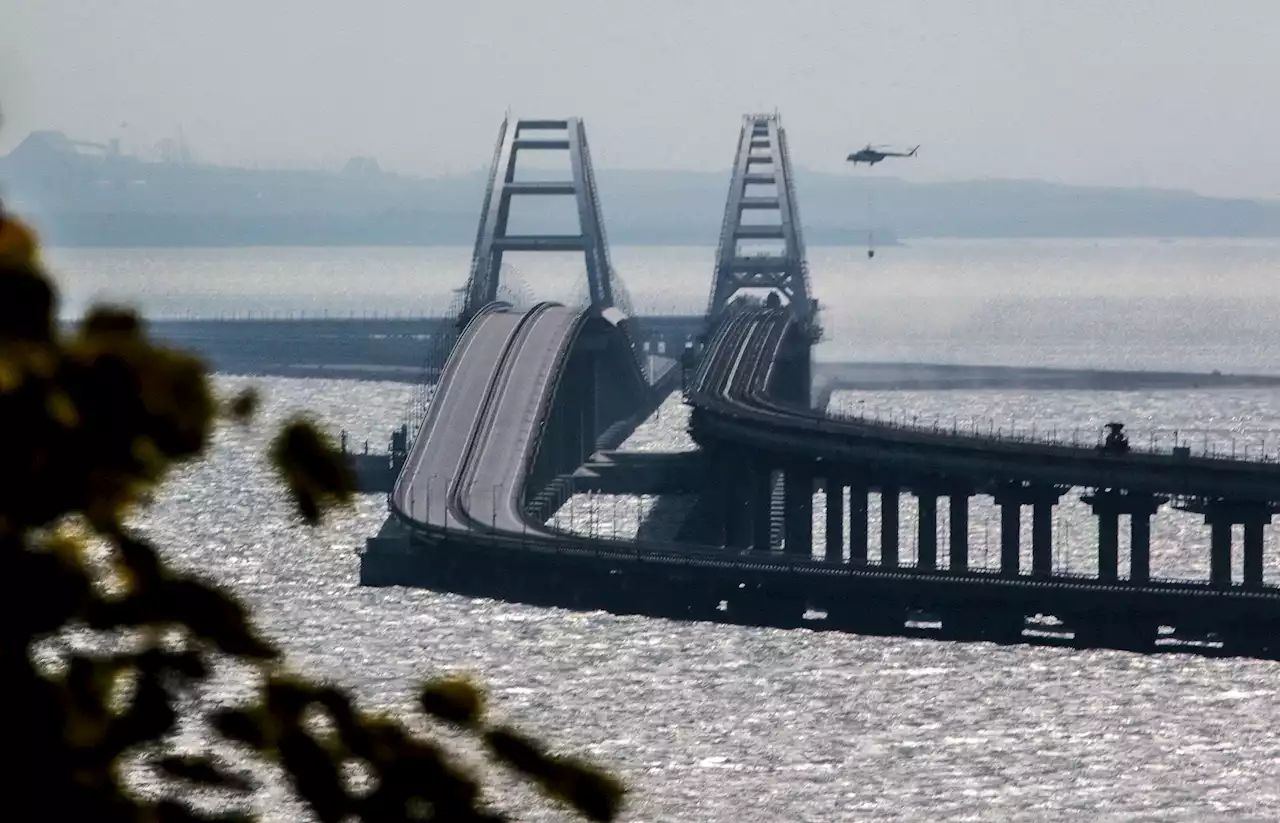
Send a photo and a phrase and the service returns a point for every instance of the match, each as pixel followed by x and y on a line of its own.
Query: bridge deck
pixel 436 461
pixel 459 499
pixel 731 389
pixel 495 477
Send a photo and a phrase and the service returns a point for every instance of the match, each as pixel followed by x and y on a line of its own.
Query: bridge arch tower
pixel 761 253
pixel 761 250
pixel 492 238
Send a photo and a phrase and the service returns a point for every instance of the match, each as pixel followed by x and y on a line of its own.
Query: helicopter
pixel 871 155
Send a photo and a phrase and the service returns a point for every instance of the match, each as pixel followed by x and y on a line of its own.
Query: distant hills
pixel 91 195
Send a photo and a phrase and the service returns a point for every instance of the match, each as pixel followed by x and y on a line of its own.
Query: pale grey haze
pixel 1168 93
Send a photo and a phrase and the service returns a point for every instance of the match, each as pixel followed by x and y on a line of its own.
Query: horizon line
pixel 724 172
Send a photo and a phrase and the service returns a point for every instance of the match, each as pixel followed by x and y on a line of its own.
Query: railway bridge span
pixel 528 394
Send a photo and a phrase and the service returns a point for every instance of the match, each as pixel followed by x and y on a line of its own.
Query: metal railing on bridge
pixel 986 430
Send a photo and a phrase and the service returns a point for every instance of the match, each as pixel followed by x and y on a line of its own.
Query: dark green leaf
pixel 454 700
pixel 204 771
pixel 518 752
pixel 316 473
pixel 592 792
pixel 172 811
pixel 244 406
pixel 315 776
pixel 595 794
pixel 240 726
pixel 215 616
pixel 111 321
pixel 150 716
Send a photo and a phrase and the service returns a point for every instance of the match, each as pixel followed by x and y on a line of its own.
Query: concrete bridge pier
pixel 793 376
pixel 889 493
pixel 560 451
pixel 1010 503
pixel 858 492
pixel 959 546
pixel 1011 498
pixel 721 505
pixel 1253 550
pixel 1140 539
pixel 590 377
pixel 710 520
pixel 1108 505
pixel 738 491
pixel 762 508
pixel 1219 551
pixel 1222 515
pixel 927 527
pixel 798 510
pixel 740 504
pixel 834 492
pixel 571 427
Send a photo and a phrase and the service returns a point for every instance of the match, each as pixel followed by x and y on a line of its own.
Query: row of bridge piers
pixel 747 502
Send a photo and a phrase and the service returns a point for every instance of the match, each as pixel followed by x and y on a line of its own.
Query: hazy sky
pixel 1172 93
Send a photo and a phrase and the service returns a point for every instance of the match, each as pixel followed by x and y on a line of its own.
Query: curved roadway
pixel 471 457
pixel 494 481
pixel 435 463
pixel 731 384
pixel 467 468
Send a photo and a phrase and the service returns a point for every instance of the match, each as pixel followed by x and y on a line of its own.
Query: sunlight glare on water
pixel 722 724
pixel 726 723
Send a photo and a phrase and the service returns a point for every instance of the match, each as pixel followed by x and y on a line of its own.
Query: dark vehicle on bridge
pixel 1116 442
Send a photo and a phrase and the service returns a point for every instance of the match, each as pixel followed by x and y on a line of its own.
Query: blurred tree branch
pixel 93 422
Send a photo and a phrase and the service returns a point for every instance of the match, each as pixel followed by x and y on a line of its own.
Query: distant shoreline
pixel 84 200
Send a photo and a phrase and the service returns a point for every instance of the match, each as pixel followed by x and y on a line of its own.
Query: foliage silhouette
pixel 94 419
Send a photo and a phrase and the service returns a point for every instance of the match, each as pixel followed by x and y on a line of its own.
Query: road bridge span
pixel 524 394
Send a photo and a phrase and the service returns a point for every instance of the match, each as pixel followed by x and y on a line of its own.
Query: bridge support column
pixel 1221 515
pixel 889 492
pixel 798 511
pixel 1108 505
pixel 927 529
pixel 1010 535
pixel 1042 499
pixel 959 504
pixel 1253 565
pixel 794 381
pixel 834 551
pixel 1042 536
pixel 493 240
pixel 1108 544
pixel 959 548
pixel 763 159
pixel 573 437
pixel 1140 513
pixel 739 507
pixel 762 508
pixel 709 520
pixel 590 402
pixel 1220 553
pixel 858 523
